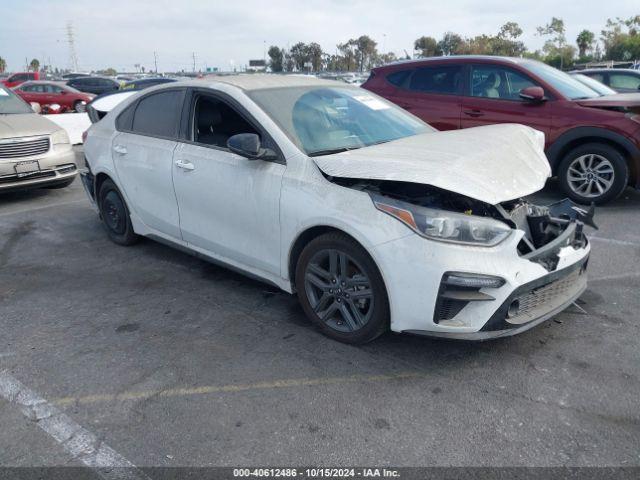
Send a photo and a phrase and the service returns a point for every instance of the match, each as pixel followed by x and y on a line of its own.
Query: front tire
pixel 115 215
pixel 593 172
pixel 341 289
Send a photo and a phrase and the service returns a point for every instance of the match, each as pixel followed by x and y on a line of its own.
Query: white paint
pixel 73 123
pixel 80 443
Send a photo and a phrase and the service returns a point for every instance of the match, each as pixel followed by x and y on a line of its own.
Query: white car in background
pixel 375 219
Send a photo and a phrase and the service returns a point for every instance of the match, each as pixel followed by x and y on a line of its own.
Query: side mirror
pixel 533 94
pixel 248 146
pixel 36 107
pixel 63 92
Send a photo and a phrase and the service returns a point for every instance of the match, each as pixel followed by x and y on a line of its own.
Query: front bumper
pixel 56 166
pixel 413 269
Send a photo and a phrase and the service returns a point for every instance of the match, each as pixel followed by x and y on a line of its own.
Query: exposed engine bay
pixel 546 229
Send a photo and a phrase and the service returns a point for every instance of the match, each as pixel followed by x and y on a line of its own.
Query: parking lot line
pixel 209 389
pixel 80 443
pixel 614 241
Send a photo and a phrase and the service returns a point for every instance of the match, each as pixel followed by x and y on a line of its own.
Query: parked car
pixel 623 80
pixel 48 93
pixel 592 141
pixel 96 85
pixel 34 151
pixel 143 83
pixel 373 217
pixel 20 77
pixel 69 76
pixel 599 87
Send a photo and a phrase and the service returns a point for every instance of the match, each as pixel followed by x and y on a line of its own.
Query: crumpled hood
pixel 25 125
pixel 617 100
pixel 493 164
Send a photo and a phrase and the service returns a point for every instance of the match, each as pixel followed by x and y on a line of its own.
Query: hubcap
pixel 114 213
pixel 338 290
pixel 590 175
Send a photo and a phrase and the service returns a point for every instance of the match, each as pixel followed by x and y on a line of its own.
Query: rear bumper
pixel 89 185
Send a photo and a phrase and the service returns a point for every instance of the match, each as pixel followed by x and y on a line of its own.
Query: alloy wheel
pixel 590 175
pixel 339 291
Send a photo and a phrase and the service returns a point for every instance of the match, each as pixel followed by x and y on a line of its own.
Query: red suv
pixel 592 141
pixel 18 78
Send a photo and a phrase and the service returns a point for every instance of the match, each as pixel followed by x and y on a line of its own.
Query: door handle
pixel 183 164
pixel 120 149
pixel 473 113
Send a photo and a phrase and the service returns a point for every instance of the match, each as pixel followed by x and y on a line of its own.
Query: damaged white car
pixel 375 219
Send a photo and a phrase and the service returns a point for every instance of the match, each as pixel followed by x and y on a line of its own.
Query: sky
pixel 226 34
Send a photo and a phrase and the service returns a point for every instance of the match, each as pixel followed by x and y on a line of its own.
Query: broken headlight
pixel 443 225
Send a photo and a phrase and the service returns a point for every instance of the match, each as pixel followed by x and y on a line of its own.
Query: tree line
pixel 619 41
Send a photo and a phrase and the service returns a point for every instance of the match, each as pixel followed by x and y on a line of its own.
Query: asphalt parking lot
pixel 172 361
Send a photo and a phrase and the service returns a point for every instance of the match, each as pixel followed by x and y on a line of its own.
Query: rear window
pixel 446 79
pixel 398 78
pixel 158 114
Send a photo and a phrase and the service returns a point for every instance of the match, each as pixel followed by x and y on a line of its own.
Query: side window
pixel 40 88
pixel 490 81
pixel 214 121
pixel 26 88
pixel 596 76
pixel 55 89
pixel 398 78
pixel 623 80
pixel 125 119
pixel 159 114
pixel 446 79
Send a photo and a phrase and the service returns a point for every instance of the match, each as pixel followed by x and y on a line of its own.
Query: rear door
pixel 229 205
pixel 143 157
pixel 432 93
pixel 493 96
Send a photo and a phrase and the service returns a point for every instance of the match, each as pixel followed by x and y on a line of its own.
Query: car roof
pixel 625 70
pixel 457 58
pixel 44 82
pixel 265 81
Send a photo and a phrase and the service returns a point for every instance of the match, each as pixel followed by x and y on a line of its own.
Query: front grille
pixel 546 298
pixel 24 147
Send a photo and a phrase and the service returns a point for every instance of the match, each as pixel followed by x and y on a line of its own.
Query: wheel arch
pixel 583 135
pixel 309 234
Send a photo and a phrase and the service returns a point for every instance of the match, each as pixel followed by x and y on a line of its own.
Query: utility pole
pixel 193 54
pixel 155 61
pixel 73 58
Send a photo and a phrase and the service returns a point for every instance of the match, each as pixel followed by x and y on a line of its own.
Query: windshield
pixel 562 82
pixel 10 103
pixel 594 84
pixel 325 120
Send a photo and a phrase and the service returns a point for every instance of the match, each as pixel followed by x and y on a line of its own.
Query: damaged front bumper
pixel 539 280
pixel 88 183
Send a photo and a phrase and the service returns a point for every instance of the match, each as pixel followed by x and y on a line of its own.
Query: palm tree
pixel 3 65
pixel 585 42
pixel 34 65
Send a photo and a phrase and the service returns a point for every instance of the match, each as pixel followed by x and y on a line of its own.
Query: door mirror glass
pixel 248 145
pixel 532 94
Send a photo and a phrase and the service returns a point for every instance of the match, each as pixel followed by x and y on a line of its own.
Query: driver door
pixel 229 205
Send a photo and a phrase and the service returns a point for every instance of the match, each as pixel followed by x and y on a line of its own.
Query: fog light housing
pixel 472 280
pixel 514 309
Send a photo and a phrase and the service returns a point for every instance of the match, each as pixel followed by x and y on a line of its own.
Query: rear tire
pixel 594 172
pixel 341 289
pixel 115 215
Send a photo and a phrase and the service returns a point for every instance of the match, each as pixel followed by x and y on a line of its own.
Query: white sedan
pixel 372 217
